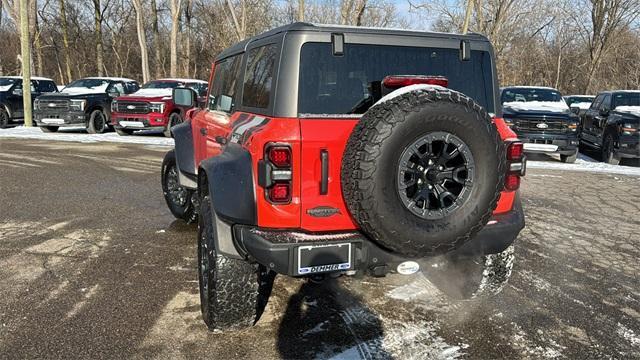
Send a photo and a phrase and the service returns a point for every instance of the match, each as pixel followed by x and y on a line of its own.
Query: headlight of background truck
pixel 629 129
pixel 36 104
pixel 78 105
pixel 114 106
pixel 157 107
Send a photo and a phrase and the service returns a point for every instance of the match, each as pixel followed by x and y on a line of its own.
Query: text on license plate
pixel 324 258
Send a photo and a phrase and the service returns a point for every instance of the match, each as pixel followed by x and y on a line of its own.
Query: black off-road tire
pixel 371 161
pixel 4 118
pixel 98 122
pixel 174 119
pixel 465 278
pixel 124 132
pixel 233 292
pixel 49 129
pixel 608 151
pixel 180 200
pixel 569 159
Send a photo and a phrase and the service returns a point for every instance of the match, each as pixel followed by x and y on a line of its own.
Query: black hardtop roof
pixel 302 26
pixel 619 91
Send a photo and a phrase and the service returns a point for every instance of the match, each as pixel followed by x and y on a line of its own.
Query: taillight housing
pixel 516 165
pixel 398 81
pixel 274 173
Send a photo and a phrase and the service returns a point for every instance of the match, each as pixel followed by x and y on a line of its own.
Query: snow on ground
pixel 584 163
pixel 79 135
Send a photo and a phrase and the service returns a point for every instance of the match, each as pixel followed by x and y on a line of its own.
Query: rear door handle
pixel 203 131
pixel 324 172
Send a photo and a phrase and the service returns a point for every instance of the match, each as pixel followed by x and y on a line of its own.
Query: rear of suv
pixel 542 120
pixel 327 151
pixel 151 107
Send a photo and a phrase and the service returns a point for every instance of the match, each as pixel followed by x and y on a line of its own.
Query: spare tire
pixel 422 171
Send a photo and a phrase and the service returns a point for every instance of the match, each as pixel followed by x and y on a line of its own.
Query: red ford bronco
pixel 326 150
pixel 151 107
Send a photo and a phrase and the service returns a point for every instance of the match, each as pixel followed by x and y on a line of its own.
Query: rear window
pixel 627 99
pixel 530 94
pixel 343 84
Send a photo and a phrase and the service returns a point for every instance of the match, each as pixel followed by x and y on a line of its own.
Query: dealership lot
pixel 92 264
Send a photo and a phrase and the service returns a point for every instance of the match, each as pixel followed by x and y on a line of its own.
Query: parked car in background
pixel 579 103
pixel 85 102
pixel 611 125
pixel 542 120
pixel 11 102
pixel 151 107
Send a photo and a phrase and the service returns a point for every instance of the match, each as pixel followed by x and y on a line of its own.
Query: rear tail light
pixel 274 173
pixel 516 165
pixel 515 151
pixel 280 192
pixel 398 81
pixel 280 156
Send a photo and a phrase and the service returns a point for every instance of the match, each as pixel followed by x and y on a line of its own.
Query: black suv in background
pixel 542 120
pixel 85 102
pixel 11 106
pixel 611 126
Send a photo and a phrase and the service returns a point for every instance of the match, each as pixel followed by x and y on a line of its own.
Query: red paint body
pixel 307 138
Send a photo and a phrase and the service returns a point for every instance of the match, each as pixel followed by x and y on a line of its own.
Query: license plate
pixel 540 147
pixel 323 258
pixel 136 124
pixel 52 121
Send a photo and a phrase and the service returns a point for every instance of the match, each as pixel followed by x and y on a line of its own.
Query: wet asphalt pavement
pixel 93 265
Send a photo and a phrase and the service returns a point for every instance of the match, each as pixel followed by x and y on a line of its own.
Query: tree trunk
pixel 176 7
pixel 156 39
pixel 188 15
pixel 26 63
pixel 97 17
pixel 142 40
pixel 300 10
pixel 65 41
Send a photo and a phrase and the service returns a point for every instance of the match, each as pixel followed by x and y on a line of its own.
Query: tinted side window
pixel 46 86
pixel 596 103
pixel 606 103
pixel 258 76
pixel 131 87
pixel 223 87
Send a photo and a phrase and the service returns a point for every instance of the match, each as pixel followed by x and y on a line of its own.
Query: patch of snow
pixel 60 87
pixel 184 80
pixel 530 87
pixel 32 78
pixel 152 93
pixel 587 164
pixel 633 110
pixel 551 106
pixel 408 89
pixel 6 87
pixel 22 132
pixel 110 78
pixel 582 105
pixel 84 90
pixel 629 335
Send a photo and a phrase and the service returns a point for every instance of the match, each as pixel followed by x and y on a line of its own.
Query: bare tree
pixel 65 39
pixel 156 39
pixel 142 40
pixel 176 9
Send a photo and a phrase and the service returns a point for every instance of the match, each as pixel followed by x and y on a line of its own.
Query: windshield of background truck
pixel 331 84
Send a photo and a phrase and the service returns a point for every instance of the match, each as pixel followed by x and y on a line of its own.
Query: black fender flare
pixel 229 182
pixel 185 154
pixel 7 108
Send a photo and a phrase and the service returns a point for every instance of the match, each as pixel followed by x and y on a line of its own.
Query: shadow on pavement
pixel 324 320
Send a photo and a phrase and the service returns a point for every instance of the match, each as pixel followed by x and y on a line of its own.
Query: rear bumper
pixel 564 144
pixel 277 249
pixel 61 119
pixel 139 121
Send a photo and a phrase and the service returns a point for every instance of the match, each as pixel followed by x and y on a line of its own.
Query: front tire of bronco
pixel 608 153
pixel 179 199
pixel 422 172
pixel 97 122
pixel 465 278
pixel 174 119
pixel 233 292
